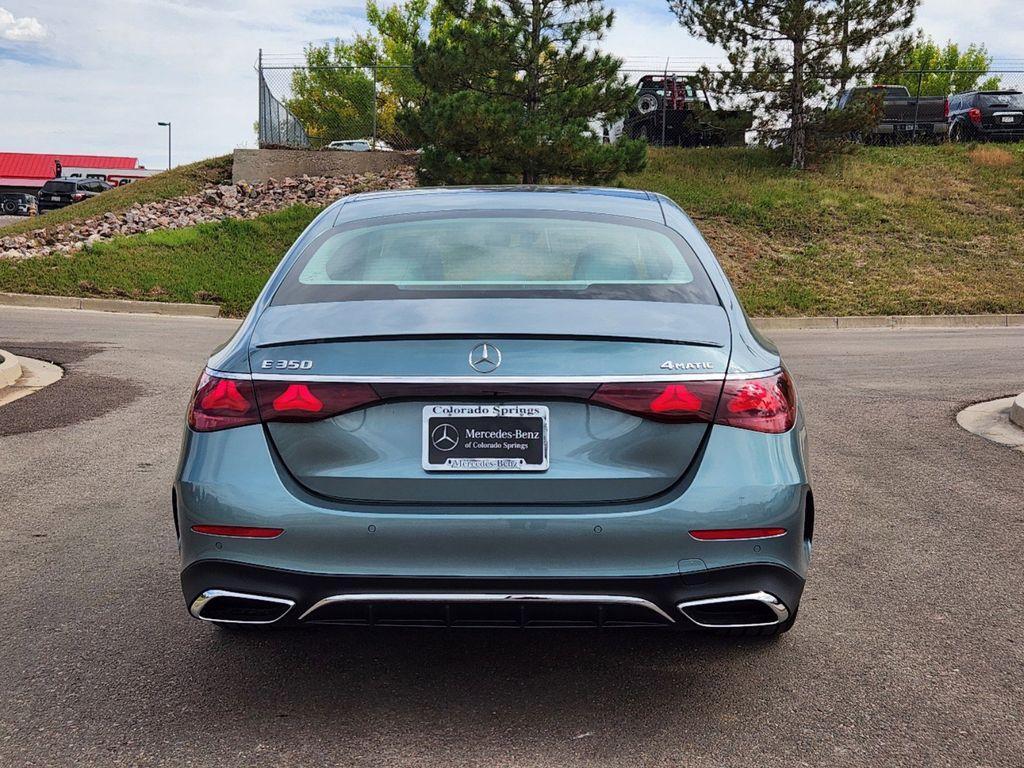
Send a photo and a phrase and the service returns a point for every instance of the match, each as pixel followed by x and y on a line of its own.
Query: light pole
pixel 168 125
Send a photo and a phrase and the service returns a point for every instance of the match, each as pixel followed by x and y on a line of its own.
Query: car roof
pixel 608 200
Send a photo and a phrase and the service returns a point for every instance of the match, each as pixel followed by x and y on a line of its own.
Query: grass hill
pixel 183 180
pixel 884 230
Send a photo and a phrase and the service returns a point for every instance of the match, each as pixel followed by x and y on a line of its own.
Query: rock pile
pixel 225 201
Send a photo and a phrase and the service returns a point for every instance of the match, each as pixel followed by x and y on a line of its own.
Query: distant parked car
pixel 986 116
pixel 58 193
pixel 16 204
pixel 360 145
pixel 901 117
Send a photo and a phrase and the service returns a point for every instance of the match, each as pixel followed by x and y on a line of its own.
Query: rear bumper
pixel 744 480
pixel 292 598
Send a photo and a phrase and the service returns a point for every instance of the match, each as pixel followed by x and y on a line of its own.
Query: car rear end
pixel 494 417
pixel 999 116
pixel 59 193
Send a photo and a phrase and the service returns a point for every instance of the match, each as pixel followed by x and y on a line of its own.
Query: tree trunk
pixel 533 83
pixel 797 118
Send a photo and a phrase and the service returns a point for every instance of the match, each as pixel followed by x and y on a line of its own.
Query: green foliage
pixel 333 96
pixel 786 57
pixel 972 61
pixel 511 91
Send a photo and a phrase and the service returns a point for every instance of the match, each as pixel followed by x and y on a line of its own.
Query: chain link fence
pixel 355 108
pixel 333 107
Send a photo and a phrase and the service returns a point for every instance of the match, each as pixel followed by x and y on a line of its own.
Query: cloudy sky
pixel 95 76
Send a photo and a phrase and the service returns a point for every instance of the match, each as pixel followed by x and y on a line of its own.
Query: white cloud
pixel 20 29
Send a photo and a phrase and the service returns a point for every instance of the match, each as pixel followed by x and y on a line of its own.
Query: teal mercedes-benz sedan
pixel 508 406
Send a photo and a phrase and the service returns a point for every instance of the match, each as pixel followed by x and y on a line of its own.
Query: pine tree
pixel 513 91
pixel 788 56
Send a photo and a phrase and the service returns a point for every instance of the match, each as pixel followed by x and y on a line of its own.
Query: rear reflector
pixel 238 531
pixel 732 534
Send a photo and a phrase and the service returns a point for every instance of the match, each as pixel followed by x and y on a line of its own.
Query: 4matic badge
pixel 669 365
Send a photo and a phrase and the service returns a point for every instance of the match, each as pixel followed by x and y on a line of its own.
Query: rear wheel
pixel 957 133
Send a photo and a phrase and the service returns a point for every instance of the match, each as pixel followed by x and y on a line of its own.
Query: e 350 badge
pixel 287 365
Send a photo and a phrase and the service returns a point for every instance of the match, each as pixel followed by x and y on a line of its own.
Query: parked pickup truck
pixel 900 116
pixel 986 116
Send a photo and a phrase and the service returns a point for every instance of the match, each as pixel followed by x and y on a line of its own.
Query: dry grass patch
pixel 991 156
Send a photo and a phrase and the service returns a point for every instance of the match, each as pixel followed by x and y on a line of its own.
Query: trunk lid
pixel 553 354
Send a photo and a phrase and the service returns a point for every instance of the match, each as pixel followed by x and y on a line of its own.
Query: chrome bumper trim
pixel 777 606
pixel 486 597
pixel 489 379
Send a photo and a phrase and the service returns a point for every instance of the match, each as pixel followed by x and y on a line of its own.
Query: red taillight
pixel 221 404
pixel 945 109
pixel 974 115
pixel 238 531
pixel 736 534
pixel 297 397
pixel 310 401
pixel 763 405
pixel 692 401
pixel 78 196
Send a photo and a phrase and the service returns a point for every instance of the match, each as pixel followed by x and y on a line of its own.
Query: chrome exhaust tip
pixel 222 607
pixel 756 609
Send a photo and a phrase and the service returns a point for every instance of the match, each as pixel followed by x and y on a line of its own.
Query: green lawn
pixel 225 263
pixel 884 230
pixel 183 180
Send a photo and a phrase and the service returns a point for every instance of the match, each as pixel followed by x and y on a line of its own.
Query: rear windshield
pixel 488 255
pixel 1003 100
pixel 59 186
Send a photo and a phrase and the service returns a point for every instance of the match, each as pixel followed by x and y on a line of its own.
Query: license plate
pixel 909 127
pixel 1009 119
pixel 485 438
pixel 55 197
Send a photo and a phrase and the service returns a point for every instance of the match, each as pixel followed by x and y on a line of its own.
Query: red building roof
pixel 26 167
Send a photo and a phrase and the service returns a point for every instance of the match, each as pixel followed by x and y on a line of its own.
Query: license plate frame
pixel 1008 119
pixel 477 437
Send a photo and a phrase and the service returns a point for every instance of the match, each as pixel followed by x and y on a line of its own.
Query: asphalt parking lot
pixel 908 650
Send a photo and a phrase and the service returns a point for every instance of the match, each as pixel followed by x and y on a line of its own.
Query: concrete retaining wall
pixel 259 165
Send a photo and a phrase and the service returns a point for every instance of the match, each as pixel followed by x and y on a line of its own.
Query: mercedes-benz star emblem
pixel 484 358
pixel 444 437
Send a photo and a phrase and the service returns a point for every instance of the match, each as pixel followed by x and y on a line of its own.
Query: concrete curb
pixel 109 305
pixel 10 369
pixel 35 374
pixel 1017 410
pixel 887 321
pixel 991 421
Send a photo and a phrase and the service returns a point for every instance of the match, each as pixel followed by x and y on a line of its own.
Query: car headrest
pixel 603 263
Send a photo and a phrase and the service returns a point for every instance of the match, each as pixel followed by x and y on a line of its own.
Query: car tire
pixel 9 207
pixel 956 133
